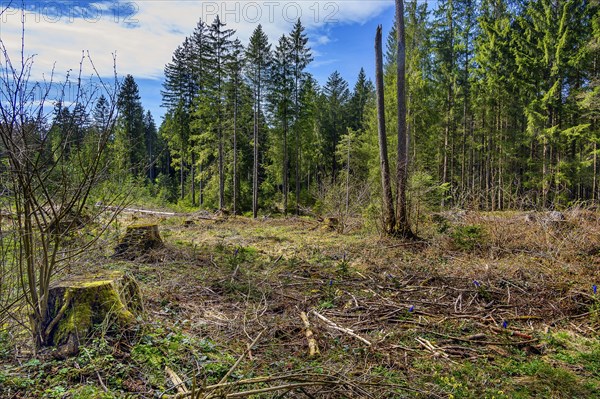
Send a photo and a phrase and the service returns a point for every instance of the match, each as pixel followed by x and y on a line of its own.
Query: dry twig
pixel 348 331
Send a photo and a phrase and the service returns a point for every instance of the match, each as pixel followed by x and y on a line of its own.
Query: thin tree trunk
pixel 348 177
pixel 545 188
pixel 446 143
pixel 221 169
pixel 181 175
pixel 201 192
pixel 595 183
pixel 389 220
pixel 193 177
pixel 220 135
pixel 402 224
pixel 235 155
pixel 297 143
pixel 285 163
pixel 255 165
pixel 449 131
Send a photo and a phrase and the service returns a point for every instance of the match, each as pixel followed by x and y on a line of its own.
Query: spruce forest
pixel 431 231
pixel 501 114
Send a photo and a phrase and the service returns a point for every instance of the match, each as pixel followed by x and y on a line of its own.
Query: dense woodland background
pixel 503 101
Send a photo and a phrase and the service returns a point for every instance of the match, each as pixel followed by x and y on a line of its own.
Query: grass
pixel 491 306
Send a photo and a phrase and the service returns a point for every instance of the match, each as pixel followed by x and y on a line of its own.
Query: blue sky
pixel 144 33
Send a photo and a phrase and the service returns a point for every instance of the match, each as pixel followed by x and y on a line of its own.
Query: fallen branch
pixel 477 339
pixel 437 352
pixel 242 356
pixel 176 380
pixel 510 332
pixel 313 349
pixel 348 331
pixel 271 389
pixel 133 210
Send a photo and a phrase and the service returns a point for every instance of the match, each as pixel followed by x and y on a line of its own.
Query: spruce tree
pixel 220 44
pixel 258 57
pixel 234 69
pixel 129 142
pixel 335 118
pixel 179 92
pixel 362 93
pixel 151 139
pixel 281 103
pixel 301 58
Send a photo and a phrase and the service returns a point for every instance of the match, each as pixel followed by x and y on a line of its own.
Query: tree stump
pixel 78 304
pixel 138 240
pixel 331 223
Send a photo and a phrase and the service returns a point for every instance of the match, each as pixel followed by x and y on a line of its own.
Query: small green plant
pixel 343 268
pixel 56 392
pixel 467 238
pixel 328 295
pixel 482 291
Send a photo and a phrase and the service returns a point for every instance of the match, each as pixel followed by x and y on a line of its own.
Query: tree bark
pixel 235 159
pixel 193 177
pixel 285 163
pixel 255 165
pixel 402 225
pixel 389 220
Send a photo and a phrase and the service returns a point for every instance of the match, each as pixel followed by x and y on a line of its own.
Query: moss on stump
pixel 138 240
pixel 78 304
pixel 331 223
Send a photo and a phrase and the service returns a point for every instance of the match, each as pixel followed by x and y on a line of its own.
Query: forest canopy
pixel 502 113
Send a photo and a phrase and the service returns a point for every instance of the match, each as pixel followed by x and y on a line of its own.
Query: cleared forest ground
pixel 484 306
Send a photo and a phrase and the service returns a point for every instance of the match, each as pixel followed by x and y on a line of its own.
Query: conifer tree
pixel 179 92
pixel 151 139
pixel 335 117
pixel 301 58
pixel 129 142
pixel 234 70
pixel 258 56
pixel 220 44
pixel 362 93
pixel 281 102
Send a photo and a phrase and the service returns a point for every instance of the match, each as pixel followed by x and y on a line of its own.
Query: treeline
pixel 503 100
pixel 248 127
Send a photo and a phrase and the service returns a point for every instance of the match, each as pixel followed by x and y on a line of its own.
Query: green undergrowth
pixel 218 284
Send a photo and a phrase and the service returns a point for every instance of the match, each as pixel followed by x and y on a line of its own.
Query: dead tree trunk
pixel 389 221
pixel 402 225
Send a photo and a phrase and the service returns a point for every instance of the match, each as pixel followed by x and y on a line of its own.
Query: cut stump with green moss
pixel 331 223
pixel 78 304
pixel 138 240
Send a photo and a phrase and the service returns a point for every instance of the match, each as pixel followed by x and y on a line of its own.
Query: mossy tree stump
pixel 138 240
pixel 331 223
pixel 78 304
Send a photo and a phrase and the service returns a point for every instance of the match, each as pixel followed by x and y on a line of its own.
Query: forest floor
pixel 485 305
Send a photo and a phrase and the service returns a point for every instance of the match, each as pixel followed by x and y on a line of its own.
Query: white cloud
pixel 323 39
pixel 144 33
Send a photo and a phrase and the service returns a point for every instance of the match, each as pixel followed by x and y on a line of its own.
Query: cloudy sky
pixel 144 33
